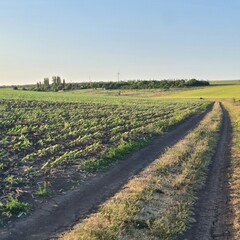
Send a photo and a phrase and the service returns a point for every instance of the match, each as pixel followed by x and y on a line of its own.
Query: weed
pixel 42 190
pixel 14 207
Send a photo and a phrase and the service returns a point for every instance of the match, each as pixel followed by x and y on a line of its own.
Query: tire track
pixel 212 212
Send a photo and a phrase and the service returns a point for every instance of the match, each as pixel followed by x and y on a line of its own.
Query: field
pixel 88 95
pixel 110 128
pixel 156 202
pixel 139 159
pixel 50 146
pixel 224 82
pixel 213 92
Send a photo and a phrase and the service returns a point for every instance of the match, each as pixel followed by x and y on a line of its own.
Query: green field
pixel 51 141
pixel 127 96
pixel 141 96
pixel 82 96
pixel 224 82
pixel 214 92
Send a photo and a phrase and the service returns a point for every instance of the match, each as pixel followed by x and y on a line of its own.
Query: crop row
pixel 39 140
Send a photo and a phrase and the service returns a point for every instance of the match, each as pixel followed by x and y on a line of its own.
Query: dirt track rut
pixel 212 213
pixel 62 212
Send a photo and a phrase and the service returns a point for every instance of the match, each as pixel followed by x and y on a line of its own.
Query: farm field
pixel 48 147
pixel 83 96
pixel 212 92
pixel 157 203
pixel 119 120
pixel 224 82
pixel 59 149
pixel 90 95
pixel 86 96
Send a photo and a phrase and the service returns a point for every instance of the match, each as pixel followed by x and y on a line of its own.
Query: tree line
pixel 58 84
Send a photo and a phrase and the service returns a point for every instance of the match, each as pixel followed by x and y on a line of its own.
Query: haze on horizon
pixel 92 39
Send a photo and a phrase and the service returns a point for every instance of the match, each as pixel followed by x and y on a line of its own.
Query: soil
pixel 212 209
pixel 61 212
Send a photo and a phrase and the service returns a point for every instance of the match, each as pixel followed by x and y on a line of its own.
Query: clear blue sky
pixel 143 39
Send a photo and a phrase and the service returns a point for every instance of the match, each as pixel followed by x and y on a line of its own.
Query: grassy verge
pixel 234 110
pixel 157 204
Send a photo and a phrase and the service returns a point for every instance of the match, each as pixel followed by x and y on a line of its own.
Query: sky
pixel 82 40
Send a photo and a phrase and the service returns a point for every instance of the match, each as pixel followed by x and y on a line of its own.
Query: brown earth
pixel 61 212
pixel 212 210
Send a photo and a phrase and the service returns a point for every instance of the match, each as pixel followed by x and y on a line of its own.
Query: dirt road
pixel 212 211
pixel 63 211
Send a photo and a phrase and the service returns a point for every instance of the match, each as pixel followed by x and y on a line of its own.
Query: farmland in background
pixel 87 95
pixel 212 92
pixel 224 82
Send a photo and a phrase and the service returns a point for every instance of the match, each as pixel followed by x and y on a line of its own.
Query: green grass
pixel 96 96
pixel 42 190
pixel 213 92
pixel 14 207
pixel 73 96
pixel 115 154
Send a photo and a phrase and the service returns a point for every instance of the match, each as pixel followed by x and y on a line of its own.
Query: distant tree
pixel 54 80
pixel 59 81
pixel 58 84
pixel 46 82
pixel 63 83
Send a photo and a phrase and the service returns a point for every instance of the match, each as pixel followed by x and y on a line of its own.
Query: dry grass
pixel 234 109
pixel 157 204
